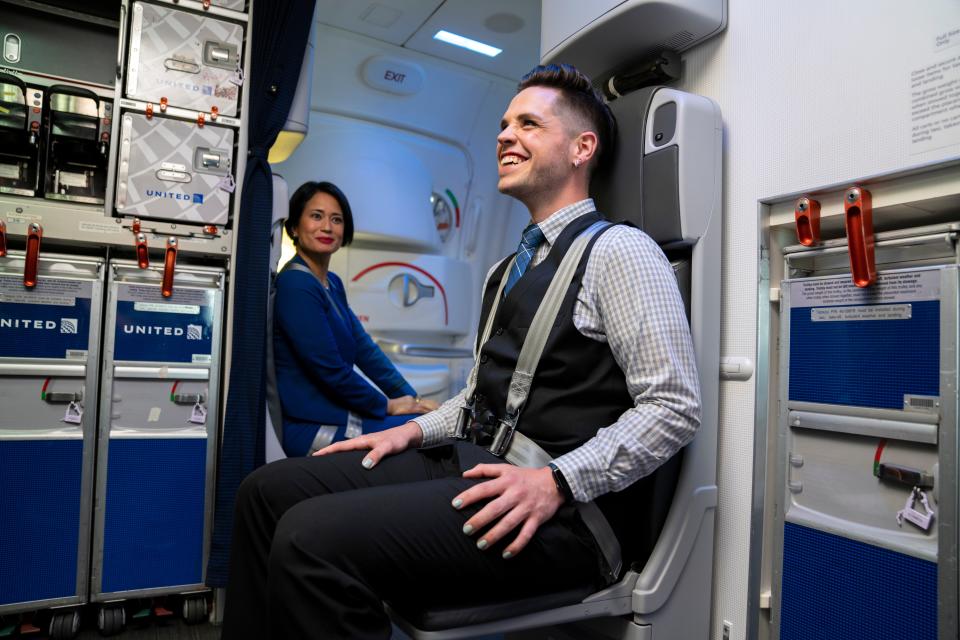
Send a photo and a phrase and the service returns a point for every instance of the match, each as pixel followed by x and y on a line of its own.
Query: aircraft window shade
pixel 661 198
pixel 664 124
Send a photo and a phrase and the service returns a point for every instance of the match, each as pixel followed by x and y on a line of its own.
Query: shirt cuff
pixel 579 468
pixel 433 427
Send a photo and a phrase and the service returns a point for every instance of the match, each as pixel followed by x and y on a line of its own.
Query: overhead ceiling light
pixel 466 43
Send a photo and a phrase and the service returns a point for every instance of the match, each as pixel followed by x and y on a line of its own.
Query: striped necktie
pixel 529 241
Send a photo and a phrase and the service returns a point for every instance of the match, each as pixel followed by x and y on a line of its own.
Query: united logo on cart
pixel 162 332
pixel 41 331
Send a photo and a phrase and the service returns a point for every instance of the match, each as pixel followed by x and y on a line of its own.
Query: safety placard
pixel 151 328
pixel 868 347
pixel 51 320
pixel 862 312
pixel 891 287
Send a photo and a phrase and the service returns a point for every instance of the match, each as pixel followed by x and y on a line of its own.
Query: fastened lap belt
pixel 510 444
pixel 524 452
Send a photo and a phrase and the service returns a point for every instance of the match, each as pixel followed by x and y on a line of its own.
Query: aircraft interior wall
pixel 395 155
pixel 814 93
pixel 814 97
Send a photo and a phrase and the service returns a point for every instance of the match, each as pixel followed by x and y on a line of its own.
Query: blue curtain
pixel 279 36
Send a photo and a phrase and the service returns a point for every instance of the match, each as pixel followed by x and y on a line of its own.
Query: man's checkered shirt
pixel 628 299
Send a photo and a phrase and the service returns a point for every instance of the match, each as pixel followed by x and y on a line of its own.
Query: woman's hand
pixel 409 404
pixel 380 443
pixel 427 405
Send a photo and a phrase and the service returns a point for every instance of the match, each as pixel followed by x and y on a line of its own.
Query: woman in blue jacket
pixel 318 339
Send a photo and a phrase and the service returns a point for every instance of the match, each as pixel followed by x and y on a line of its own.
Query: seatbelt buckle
pixel 503 435
pixel 464 420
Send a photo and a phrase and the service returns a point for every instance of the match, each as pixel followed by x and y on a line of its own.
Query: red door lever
pixel 32 263
pixel 169 263
pixel 143 256
pixel 807 216
pixel 858 210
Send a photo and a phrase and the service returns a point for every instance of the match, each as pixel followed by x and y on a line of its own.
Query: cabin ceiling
pixel 511 25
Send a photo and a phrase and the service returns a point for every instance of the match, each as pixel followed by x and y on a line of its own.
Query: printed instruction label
pixel 100 227
pixel 891 287
pixel 23 218
pixel 159 307
pixel 935 96
pixel 868 312
pixel 142 293
pixel 48 291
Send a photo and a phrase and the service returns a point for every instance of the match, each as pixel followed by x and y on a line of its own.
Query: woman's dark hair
pixel 581 98
pixel 300 198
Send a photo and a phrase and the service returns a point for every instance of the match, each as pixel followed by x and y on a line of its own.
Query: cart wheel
pixel 194 609
pixel 64 626
pixel 110 620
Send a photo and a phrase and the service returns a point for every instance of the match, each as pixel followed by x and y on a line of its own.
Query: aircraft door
pixel 867 387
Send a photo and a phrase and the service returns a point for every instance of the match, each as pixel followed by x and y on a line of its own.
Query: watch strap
pixel 562 486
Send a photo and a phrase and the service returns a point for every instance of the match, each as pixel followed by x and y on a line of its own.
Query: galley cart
pixel 49 341
pixel 867 440
pixel 122 136
pixel 157 437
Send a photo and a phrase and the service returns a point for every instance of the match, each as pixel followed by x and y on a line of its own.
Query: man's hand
pixel 519 497
pixel 380 443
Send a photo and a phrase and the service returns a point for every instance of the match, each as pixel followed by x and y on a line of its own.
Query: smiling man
pixel 418 518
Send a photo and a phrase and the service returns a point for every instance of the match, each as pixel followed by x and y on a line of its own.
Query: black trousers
pixel 320 543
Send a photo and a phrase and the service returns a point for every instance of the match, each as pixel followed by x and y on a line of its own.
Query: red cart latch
pixel 143 254
pixel 32 264
pixel 140 244
pixel 807 216
pixel 169 264
pixel 858 210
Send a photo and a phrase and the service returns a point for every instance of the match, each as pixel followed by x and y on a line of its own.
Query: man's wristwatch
pixel 561 483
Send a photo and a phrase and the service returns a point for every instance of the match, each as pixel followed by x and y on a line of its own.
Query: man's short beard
pixel 530 192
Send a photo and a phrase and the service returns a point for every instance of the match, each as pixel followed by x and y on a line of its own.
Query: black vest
pixel 577 388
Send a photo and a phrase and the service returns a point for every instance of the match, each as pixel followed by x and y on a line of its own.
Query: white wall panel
pixel 449 128
pixel 446 105
pixel 813 93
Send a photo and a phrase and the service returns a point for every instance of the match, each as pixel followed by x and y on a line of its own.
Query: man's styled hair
pixel 582 99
